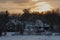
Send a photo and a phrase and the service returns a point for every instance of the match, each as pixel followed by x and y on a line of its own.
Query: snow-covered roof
pixel 39 23
pixel 14 21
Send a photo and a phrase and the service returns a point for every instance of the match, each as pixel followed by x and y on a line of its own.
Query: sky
pixel 16 6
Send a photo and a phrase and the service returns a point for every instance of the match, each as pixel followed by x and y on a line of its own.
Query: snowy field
pixel 29 37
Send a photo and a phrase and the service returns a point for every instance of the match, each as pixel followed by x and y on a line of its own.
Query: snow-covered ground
pixel 29 37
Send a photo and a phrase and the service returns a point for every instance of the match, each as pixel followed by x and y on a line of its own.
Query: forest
pixel 17 25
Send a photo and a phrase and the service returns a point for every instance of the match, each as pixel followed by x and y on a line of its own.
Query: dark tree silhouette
pixel 3 21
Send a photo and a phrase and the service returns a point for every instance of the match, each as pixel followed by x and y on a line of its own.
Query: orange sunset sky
pixel 16 6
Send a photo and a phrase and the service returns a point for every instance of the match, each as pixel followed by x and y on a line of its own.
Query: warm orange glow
pixel 42 6
pixel 34 0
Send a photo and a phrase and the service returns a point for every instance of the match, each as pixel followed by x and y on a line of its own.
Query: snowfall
pixel 9 36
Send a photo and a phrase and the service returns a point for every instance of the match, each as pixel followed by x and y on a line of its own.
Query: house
pixel 35 26
pixel 12 24
pixel 56 28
